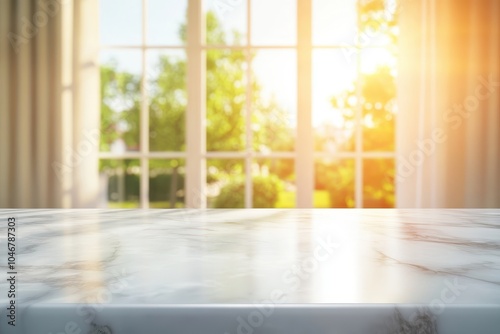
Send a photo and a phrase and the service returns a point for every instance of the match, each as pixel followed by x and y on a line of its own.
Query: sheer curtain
pixel 49 103
pixel 448 139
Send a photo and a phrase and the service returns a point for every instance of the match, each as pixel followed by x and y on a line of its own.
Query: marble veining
pixel 434 258
pixel 240 256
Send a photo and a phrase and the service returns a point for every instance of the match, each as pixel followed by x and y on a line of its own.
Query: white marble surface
pixel 94 262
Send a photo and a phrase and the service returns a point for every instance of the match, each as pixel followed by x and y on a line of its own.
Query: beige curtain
pixel 49 103
pixel 448 139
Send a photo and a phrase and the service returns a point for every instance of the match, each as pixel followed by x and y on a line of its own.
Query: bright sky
pixel 273 23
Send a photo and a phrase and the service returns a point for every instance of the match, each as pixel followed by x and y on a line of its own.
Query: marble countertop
pixel 434 258
pixel 247 256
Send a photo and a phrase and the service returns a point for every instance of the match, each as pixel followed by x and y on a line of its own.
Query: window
pixel 248 103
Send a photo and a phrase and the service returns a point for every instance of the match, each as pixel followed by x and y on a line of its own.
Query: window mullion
pixel 248 114
pixel 304 160
pixel 358 173
pixel 144 118
pixel 196 108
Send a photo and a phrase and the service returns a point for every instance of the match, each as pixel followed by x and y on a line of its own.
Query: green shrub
pixel 266 190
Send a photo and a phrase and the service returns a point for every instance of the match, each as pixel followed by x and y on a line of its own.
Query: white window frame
pixel 196 154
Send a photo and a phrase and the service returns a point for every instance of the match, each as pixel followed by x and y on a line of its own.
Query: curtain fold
pixel 448 132
pixel 49 103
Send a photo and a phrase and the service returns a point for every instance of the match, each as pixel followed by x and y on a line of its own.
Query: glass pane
pixel 225 183
pixel 120 100
pixel 378 183
pixel 274 22
pixel 334 22
pixel 274 100
pixel 226 99
pixel 226 22
pixel 334 183
pixel 166 183
pixel 378 22
pixel 378 92
pixel 166 24
pixel 120 183
pixel 334 101
pixel 273 183
pixel 167 95
pixel 374 58
pixel 121 22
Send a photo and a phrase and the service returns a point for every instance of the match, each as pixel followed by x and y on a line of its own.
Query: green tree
pixel 378 93
pixel 120 105
pixel 226 100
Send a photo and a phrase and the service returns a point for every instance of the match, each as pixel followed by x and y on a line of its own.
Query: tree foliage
pixel 226 100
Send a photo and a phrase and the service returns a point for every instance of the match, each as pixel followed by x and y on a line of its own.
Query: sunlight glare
pixel 373 58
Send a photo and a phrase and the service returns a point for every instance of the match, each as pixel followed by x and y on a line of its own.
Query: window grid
pixel 196 153
pixel 243 154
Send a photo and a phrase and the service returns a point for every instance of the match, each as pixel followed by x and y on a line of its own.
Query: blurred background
pixel 249 103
